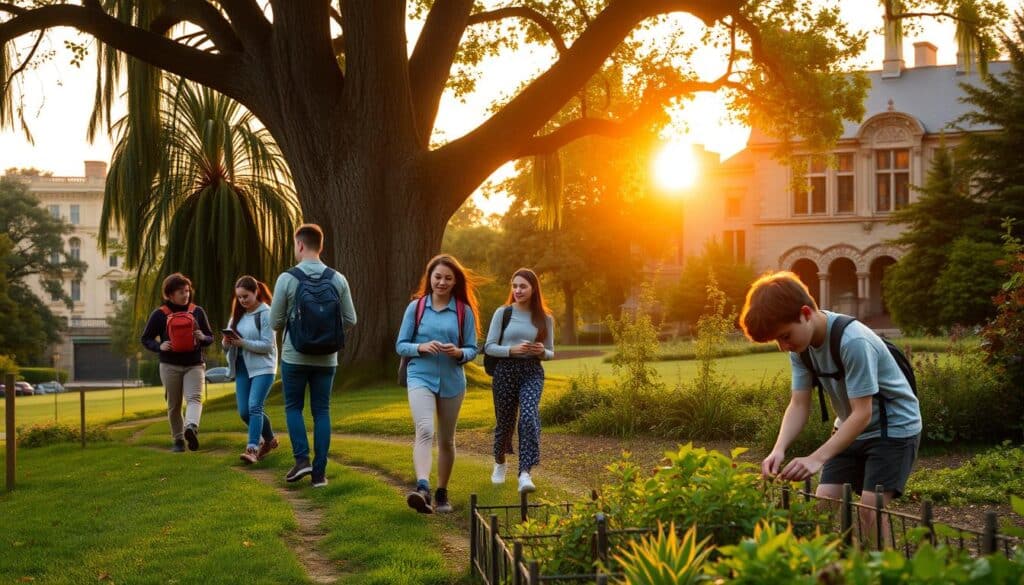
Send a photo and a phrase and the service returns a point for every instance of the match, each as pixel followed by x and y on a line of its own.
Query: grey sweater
pixel 520 329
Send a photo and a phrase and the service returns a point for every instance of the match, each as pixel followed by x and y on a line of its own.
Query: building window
pixel 733 206
pixel 114 293
pixel 76 248
pixel 76 290
pixel 54 257
pixel 54 295
pixel 75 214
pixel 735 245
pixel 892 179
pixel 76 321
pixel 54 211
pixel 844 182
pixel 113 260
pixel 811 199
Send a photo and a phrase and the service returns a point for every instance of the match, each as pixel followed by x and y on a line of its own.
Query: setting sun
pixel 675 167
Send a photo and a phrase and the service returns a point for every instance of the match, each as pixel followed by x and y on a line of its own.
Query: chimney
pixel 95 169
pixel 893 64
pixel 925 54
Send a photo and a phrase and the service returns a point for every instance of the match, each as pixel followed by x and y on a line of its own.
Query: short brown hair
pixel 772 301
pixel 311 235
pixel 175 282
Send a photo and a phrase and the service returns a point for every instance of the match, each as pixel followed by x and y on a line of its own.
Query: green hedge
pixel 39 375
pixel 149 372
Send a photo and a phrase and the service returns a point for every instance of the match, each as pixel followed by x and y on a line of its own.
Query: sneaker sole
pixel 320 484
pixel 444 509
pixel 497 481
pixel 416 502
pixel 245 459
pixel 192 439
pixel 299 474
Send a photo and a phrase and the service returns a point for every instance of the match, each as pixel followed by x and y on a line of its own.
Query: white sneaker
pixel 498 475
pixel 526 483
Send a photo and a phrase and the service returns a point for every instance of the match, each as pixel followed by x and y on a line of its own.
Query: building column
pixel 824 302
pixel 863 294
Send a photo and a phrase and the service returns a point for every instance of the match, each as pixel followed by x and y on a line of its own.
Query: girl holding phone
pixel 252 361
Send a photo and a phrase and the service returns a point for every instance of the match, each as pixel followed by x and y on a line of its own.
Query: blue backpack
pixel 316 325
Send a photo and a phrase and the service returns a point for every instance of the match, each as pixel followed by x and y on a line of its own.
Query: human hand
pixel 431 347
pixel 520 349
pixel 198 335
pixel 452 350
pixel 165 346
pixel 537 348
pixel 801 468
pixel 772 463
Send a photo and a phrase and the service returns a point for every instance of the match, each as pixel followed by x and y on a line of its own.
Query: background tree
pixel 689 298
pixel 353 108
pixel 219 206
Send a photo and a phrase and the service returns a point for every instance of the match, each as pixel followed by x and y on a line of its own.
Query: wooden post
pixel 879 516
pixel 495 559
pixel 517 559
pixel 785 497
pixel 846 515
pixel 11 437
pixel 602 538
pixel 534 573
pixel 988 537
pixel 807 490
pixel 472 531
pixel 524 506
pixel 927 520
pixel 81 404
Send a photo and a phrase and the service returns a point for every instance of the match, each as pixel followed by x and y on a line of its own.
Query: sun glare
pixel 675 167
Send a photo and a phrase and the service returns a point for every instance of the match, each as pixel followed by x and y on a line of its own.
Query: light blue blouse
pixel 440 373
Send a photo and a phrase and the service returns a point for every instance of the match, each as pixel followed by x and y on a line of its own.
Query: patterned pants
pixel 517 385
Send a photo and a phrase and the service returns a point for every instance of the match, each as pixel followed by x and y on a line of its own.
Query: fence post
pixel 879 516
pixel 988 537
pixel 807 490
pixel 534 569
pixel 785 497
pixel 602 538
pixel 11 437
pixel 928 521
pixel 81 402
pixel 494 550
pixel 846 515
pixel 524 506
pixel 472 531
pixel 602 579
pixel 517 558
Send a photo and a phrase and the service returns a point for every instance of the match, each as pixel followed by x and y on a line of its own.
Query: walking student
pixel 438 337
pixel 313 305
pixel 877 429
pixel 252 361
pixel 179 330
pixel 520 337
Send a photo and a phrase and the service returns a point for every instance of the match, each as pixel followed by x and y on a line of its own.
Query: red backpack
pixel 180 326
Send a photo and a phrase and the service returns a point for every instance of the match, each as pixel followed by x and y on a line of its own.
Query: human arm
pixel 204 334
pixel 467 352
pixel 793 422
pixel 348 308
pixel 801 468
pixel 547 352
pixel 279 306
pixel 491 346
pixel 154 328
pixel 405 345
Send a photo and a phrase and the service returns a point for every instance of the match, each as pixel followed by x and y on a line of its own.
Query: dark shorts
pixel 870 462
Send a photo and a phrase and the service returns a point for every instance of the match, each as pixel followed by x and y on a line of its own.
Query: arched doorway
pixel 842 286
pixel 876 297
pixel 807 270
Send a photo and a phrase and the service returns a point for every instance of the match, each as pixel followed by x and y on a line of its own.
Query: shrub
pixel 584 395
pixel 991 477
pixel 1003 337
pixel 39 375
pixel 666 559
pixel 8 365
pixel 51 433
pixel 149 372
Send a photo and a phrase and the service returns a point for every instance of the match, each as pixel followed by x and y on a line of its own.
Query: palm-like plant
pixel 210 195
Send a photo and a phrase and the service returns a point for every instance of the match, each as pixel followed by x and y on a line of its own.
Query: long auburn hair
pixel 538 308
pixel 252 285
pixel 464 290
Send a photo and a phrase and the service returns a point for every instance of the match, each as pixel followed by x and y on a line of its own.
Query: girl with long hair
pixel 252 361
pixel 520 336
pixel 438 336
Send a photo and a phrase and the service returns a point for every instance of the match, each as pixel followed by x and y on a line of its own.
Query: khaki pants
pixel 183 382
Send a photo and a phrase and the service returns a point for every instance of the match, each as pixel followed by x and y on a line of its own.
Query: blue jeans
pixel 294 379
pixel 250 396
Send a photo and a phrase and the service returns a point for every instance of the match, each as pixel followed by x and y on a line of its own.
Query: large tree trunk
pixel 568 325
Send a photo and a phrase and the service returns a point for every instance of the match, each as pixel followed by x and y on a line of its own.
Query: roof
pixel 930 94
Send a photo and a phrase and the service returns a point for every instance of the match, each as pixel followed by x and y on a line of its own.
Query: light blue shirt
pixel 520 329
pixel 870 369
pixel 259 345
pixel 283 305
pixel 439 373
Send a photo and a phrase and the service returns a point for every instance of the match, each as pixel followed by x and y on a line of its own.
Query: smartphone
pixel 229 332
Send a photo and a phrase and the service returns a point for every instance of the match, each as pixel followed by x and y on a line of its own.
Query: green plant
pixel 774 556
pixel 8 365
pixel 584 395
pixel 38 375
pixel 1003 336
pixel 44 434
pixel 666 559
pixel 990 477
pixel 149 372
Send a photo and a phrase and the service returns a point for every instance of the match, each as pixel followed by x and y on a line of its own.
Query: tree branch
pixel 11 8
pixel 248 21
pixel 203 15
pixel 526 13
pixel 431 61
pixel 463 163
pixel 24 64
pixel 220 72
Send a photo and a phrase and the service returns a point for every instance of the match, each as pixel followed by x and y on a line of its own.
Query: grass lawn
pixel 134 515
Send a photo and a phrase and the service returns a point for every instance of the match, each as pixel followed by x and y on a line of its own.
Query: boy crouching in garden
pixel 877 429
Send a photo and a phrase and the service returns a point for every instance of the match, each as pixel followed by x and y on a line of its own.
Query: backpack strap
pixel 834 340
pixel 327 274
pixel 805 357
pixel 298 273
pixel 460 314
pixel 421 306
pixel 166 310
pixel 506 318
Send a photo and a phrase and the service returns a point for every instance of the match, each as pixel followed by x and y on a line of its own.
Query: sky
pixel 59 99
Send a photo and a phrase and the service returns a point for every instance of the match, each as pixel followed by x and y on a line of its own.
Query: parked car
pixel 51 387
pixel 21 388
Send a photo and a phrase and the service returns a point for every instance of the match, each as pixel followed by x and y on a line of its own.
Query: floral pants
pixel 517 386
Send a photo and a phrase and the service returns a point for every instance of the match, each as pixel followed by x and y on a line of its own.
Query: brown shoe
pixel 266 447
pixel 250 455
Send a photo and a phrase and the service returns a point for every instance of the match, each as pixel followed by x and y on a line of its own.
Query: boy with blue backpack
pixel 869 383
pixel 313 305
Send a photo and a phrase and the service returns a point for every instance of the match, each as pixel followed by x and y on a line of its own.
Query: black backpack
pixel 834 339
pixel 491 362
pixel 316 326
